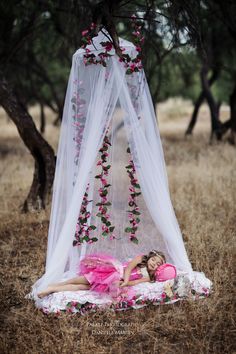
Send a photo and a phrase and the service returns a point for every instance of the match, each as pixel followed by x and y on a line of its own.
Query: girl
pixel 105 274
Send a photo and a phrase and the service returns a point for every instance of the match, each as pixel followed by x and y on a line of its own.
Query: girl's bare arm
pixel 132 264
pixel 137 281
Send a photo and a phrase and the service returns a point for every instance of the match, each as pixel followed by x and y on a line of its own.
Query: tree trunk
pixel 42 118
pixel 233 115
pixel 215 123
pixel 42 152
pixel 198 104
pixel 231 123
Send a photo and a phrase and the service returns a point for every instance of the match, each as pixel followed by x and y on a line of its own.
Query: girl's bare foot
pixel 46 292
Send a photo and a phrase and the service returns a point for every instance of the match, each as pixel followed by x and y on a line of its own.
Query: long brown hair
pixel 145 259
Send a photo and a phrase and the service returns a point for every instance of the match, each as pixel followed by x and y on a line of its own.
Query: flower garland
pixel 131 64
pixel 134 212
pixel 107 227
pixel 82 233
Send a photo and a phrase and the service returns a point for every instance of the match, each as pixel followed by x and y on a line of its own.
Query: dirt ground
pixel 202 179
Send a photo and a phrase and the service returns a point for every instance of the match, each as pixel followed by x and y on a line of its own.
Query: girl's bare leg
pixel 78 280
pixel 66 287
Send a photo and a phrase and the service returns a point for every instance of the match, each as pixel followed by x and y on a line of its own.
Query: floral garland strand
pixel 107 227
pixel 134 212
pixel 82 233
pixel 131 65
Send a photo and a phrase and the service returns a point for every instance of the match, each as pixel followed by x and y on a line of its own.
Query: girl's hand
pixel 123 283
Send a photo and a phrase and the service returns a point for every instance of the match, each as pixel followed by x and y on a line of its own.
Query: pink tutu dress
pixel 104 273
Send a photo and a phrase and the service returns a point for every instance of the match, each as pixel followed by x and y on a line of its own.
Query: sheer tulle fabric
pixel 99 99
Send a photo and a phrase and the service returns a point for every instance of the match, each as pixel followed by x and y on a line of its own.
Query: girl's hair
pixel 145 259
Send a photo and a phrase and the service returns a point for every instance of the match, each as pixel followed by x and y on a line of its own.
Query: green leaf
pixel 128 229
pixel 128 150
pixel 94 239
pixel 107 203
pixel 104 220
pixel 134 240
pixel 111 228
pixel 108 223
pixel 92 227
pixel 135 212
pixel 99 215
pixel 104 233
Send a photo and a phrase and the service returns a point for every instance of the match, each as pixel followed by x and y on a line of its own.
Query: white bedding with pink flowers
pixel 182 287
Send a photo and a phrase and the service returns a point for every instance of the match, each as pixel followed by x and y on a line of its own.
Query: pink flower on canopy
pixel 99 163
pixel 137 208
pixel 105 154
pixel 104 181
pixel 92 26
pixel 131 189
pixel 132 66
pixel 163 295
pixel 84 32
pixel 138 49
pixel 90 241
pixel 88 50
pixel 130 215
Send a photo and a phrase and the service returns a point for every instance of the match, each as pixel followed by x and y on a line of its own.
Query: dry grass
pixel 202 180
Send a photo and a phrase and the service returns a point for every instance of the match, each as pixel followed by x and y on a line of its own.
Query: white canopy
pixel 138 214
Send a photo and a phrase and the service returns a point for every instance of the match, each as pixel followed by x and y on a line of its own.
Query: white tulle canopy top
pixel 110 191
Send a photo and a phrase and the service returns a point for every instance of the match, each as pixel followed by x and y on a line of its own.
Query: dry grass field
pixel 202 180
